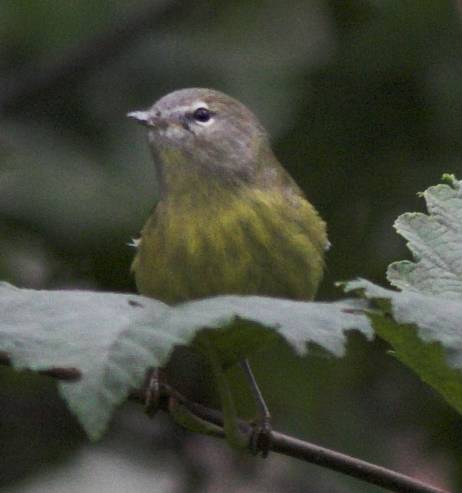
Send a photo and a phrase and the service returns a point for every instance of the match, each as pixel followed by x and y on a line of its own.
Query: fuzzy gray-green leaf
pixel 423 321
pixel 435 240
pixel 114 338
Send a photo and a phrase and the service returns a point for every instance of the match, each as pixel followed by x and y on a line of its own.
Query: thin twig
pixel 311 453
pixel 281 443
pixel 84 58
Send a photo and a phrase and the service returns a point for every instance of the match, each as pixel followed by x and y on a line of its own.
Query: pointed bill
pixel 140 116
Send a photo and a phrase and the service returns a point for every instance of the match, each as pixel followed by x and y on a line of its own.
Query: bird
pixel 229 218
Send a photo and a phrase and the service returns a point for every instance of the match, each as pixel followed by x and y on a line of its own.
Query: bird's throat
pixel 183 179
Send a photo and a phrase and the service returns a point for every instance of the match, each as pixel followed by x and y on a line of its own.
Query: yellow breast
pixel 251 242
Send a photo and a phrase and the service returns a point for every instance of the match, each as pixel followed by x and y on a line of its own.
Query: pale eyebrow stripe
pixel 199 104
pixel 192 108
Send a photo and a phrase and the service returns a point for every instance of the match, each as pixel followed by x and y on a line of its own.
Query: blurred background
pixel 363 100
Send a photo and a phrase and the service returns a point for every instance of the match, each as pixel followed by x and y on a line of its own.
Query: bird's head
pixel 208 127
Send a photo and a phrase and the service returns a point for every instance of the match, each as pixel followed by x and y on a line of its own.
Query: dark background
pixel 363 100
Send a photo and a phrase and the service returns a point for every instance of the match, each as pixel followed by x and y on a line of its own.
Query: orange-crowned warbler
pixel 229 219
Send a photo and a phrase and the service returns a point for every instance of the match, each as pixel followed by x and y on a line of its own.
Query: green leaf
pixel 423 321
pixel 88 331
pixel 426 359
pixel 113 338
pixel 425 332
pixel 435 240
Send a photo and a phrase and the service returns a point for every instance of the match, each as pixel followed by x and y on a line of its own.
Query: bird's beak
pixel 143 117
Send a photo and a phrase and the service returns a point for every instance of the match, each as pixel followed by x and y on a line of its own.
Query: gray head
pixel 210 128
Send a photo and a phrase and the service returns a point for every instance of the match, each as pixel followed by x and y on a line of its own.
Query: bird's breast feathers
pixel 251 242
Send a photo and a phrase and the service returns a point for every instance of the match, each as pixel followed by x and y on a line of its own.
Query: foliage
pixel 363 101
pixel 112 339
pixel 423 320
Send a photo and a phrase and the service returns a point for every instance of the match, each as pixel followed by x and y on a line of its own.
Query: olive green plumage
pixel 229 220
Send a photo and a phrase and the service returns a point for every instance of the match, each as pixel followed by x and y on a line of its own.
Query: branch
pixel 308 452
pixel 80 60
pixel 281 443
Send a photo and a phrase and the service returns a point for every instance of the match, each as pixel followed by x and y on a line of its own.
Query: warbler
pixel 229 219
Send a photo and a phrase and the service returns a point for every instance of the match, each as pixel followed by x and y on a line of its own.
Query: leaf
pixel 423 321
pixel 426 359
pixel 425 331
pixel 435 241
pixel 114 338
pixel 85 330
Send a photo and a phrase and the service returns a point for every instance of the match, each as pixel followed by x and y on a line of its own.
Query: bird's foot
pixel 261 438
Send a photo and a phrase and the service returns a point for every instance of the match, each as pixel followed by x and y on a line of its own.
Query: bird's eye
pixel 202 115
